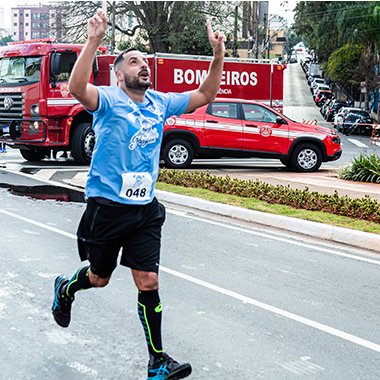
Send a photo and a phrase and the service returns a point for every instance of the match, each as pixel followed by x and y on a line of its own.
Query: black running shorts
pixel 107 227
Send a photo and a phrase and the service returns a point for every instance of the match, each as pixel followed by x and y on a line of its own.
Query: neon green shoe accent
pixel 158 308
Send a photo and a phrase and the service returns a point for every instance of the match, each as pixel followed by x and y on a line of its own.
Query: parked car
pixel 341 114
pixel 357 122
pixel 325 106
pixel 318 81
pixel 322 96
pixel 293 58
pixel 246 128
pixel 318 87
pixel 310 78
pixel 333 107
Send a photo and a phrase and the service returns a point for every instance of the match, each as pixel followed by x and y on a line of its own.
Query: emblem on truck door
pixel 8 103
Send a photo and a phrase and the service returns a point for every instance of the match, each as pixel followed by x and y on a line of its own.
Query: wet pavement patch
pixel 45 192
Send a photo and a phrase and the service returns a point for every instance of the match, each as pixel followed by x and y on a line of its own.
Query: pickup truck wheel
pixel 32 155
pixel 178 154
pixel 83 141
pixel 306 158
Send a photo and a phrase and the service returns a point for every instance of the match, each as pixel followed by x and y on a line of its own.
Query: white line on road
pixel 358 143
pixel 305 321
pixel 278 238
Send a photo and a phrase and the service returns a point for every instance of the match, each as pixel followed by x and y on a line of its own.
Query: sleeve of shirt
pixel 104 100
pixel 177 103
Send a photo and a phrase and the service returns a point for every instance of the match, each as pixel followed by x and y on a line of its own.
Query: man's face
pixel 135 71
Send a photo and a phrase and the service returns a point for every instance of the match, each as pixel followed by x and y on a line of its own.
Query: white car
pixel 318 87
pixel 317 81
pixel 342 113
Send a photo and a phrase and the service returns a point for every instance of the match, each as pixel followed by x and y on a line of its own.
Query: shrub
pixel 363 168
pixel 363 208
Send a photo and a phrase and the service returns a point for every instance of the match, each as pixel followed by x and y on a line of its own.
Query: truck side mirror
pixel 280 120
pixel 55 64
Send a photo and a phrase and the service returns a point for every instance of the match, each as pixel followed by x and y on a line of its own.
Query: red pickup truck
pixel 243 128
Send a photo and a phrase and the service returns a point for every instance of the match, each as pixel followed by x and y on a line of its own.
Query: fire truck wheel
pixel 83 141
pixel 32 155
pixel 178 154
pixel 306 158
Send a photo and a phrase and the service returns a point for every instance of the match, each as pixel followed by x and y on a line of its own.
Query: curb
pixel 353 238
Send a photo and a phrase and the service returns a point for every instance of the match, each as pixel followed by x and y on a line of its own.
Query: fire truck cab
pixel 37 113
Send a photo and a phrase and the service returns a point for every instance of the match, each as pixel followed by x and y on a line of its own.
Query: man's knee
pixel 145 280
pixel 98 282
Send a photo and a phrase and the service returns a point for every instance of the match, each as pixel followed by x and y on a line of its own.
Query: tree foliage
pixel 344 64
pixel 344 33
pixel 5 40
pixel 167 26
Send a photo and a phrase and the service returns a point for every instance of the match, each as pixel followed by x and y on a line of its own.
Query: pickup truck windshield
pixel 20 70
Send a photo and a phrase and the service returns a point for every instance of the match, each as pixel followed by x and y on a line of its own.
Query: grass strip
pixel 257 205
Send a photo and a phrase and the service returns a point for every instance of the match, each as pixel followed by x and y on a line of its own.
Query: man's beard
pixel 136 84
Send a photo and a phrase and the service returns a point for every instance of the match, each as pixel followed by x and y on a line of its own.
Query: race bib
pixel 136 186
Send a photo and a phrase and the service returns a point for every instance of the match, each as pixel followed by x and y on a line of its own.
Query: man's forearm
pixel 81 73
pixel 210 86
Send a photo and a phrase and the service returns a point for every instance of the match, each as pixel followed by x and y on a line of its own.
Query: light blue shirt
pixel 125 160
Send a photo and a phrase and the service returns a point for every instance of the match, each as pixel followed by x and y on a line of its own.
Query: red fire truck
pixel 38 115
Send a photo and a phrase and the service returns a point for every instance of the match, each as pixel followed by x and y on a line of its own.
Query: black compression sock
pixel 79 281
pixel 150 313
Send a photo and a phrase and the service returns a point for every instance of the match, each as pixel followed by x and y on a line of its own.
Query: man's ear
pixel 119 76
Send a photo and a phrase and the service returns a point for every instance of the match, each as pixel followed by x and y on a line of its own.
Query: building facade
pixel 30 22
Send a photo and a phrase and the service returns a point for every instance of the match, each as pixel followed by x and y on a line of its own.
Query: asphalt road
pixel 240 302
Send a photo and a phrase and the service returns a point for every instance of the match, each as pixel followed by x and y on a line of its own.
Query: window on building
pixel 15 24
pixel 26 24
pixel 26 14
pixel 15 14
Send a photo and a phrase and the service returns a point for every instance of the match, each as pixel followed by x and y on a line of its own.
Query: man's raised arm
pixel 208 90
pixel 79 85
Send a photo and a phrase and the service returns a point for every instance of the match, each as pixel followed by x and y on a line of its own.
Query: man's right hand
pixel 97 25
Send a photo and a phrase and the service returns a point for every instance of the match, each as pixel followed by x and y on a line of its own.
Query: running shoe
pixel 62 304
pixel 167 368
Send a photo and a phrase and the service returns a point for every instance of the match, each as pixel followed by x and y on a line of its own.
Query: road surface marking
pixel 358 143
pixel 251 301
pixel 278 238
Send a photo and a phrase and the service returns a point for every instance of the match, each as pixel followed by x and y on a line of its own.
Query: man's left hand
pixel 216 39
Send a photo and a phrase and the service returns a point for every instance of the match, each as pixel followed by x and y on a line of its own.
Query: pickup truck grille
pixel 11 105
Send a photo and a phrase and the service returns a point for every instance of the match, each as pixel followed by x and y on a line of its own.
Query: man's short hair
pixel 120 57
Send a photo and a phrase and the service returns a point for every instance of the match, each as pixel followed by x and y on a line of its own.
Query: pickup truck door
pixel 223 126
pixel 261 133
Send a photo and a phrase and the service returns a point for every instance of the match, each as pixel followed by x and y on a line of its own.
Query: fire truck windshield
pixel 20 70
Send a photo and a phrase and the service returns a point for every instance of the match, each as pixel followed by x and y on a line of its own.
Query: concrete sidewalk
pixel 317 182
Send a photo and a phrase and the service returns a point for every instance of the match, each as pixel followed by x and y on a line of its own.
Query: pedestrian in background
pixel 122 211
pixel 3 147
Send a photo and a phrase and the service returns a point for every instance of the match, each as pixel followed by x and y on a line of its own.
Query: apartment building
pixel 30 22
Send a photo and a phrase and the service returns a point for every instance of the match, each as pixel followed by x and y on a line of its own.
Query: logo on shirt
pixel 145 135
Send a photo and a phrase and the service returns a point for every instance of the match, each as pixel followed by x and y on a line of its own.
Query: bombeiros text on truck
pixel 38 115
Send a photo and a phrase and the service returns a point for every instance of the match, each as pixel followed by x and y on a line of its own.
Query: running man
pixel 122 211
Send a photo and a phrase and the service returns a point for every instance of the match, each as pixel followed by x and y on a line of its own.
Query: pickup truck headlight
pixel 35 110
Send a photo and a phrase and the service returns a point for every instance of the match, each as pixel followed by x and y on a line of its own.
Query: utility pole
pixel 234 50
pixel 113 29
pixel 255 29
